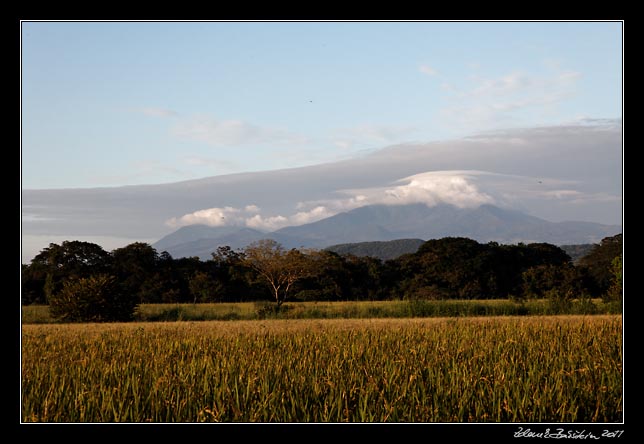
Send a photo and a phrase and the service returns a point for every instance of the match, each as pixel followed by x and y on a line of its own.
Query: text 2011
pixel 612 434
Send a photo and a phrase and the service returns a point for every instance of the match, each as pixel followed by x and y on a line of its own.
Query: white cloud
pixel 450 187
pixel 426 69
pixel 507 99
pixel 343 144
pixel 507 84
pixel 158 112
pixel 431 188
pixel 371 134
pixel 437 187
pixel 446 86
pixel 461 188
pixel 209 162
pixel 578 197
pixel 338 205
pixel 213 217
pixel 305 217
pixel 568 77
pixel 204 128
pixel 249 216
pixel 267 223
pixel 562 194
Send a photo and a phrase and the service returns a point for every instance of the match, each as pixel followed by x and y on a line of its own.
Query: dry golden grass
pixel 488 369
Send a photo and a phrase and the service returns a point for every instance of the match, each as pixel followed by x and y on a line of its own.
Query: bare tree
pixel 279 267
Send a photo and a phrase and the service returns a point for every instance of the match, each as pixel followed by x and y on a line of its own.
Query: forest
pixel 447 268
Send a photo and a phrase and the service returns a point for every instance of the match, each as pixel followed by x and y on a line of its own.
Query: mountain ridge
pixel 376 223
pixel 383 250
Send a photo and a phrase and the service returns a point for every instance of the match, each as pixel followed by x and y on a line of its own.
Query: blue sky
pixel 126 103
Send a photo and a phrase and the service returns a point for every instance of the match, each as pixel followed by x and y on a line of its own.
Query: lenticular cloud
pixel 215 217
pixel 432 188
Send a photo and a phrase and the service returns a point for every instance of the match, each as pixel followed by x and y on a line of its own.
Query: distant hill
pixel 193 233
pixel 204 247
pixel 576 252
pixel 384 250
pixel 372 223
pixel 485 223
pixel 201 240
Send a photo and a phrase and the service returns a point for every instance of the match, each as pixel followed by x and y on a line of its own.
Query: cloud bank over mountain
pixel 431 188
pixel 565 172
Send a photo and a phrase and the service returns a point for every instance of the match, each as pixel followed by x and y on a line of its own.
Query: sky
pixel 109 104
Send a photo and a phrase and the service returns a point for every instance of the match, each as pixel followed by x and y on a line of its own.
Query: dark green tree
pixel 97 298
pixel 70 259
pixel 457 267
pixel 136 267
pixel 203 288
pixel 451 266
pixel 331 280
pixel 33 278
pixel 599 262
pixel 615 290
pixel 233 277
pixel 565 281
pixel 365 278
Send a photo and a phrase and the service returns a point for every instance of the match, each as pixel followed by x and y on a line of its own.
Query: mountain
pixel 371 223
pixel 202 243
pixel 193 233
pixel 201 240
pixel 484 224
pixel 384 250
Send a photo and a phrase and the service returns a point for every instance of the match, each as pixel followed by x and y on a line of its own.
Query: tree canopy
pixel 280 268
pixel 600 259
pixel 447 268
pixel 97 298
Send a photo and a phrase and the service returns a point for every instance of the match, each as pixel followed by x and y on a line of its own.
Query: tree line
pixel 447 268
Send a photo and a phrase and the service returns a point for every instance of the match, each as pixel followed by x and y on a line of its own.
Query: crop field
pixel 486 369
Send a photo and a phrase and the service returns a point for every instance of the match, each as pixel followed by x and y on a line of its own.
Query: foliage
pixel 56 263
pixel 599 262
pixel 279 268
pixel 615 290
pixel 234 279
pixel 203 288
pixel 97 298
pixel 135 265
pixel 448 268
pixel 462 268
pixel 33 279
pixel 547 280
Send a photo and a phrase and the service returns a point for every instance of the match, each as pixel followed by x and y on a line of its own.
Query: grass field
pixel 475 369
pixel 347 310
